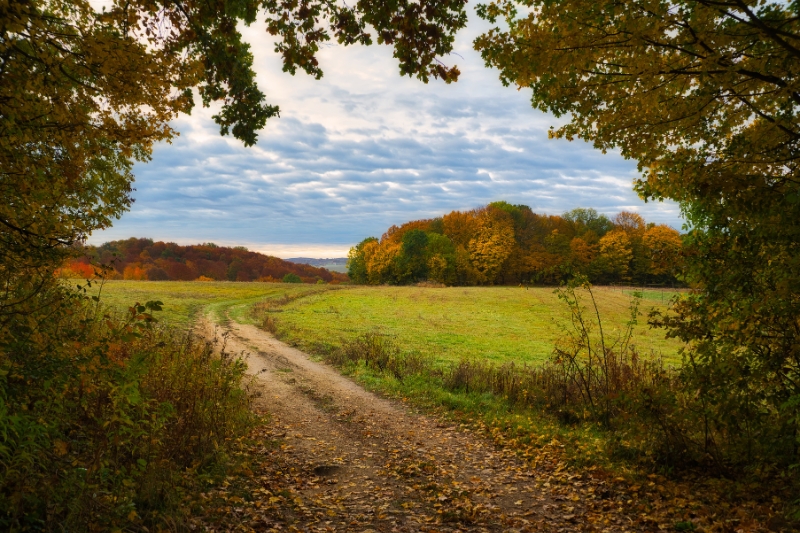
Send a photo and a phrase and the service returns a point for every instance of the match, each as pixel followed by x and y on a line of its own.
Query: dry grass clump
pixel 381 354
pixel 571 387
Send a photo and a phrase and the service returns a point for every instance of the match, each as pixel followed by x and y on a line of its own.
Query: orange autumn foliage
pixel 145 259
pixel 503 243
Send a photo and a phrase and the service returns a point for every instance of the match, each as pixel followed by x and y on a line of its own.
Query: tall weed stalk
pixel 597 372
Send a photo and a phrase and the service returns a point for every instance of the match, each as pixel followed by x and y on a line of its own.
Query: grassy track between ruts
pixel 494 323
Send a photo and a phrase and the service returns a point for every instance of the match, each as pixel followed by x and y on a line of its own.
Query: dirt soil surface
pixel 340 458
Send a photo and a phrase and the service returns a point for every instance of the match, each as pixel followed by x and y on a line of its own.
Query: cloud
pixel 362 149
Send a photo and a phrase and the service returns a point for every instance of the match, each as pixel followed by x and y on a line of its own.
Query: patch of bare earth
pixel 335 457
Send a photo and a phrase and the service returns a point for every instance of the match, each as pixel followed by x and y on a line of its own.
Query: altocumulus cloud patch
pixel 362 149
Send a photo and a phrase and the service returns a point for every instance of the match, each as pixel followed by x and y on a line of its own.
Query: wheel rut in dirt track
pixel 375 465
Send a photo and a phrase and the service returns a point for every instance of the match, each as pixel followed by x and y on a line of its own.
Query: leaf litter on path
pixel 335 457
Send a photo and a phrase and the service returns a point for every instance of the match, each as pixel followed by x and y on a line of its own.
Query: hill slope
pixel 145 259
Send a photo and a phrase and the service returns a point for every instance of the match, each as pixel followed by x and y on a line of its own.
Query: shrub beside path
pixel 335 457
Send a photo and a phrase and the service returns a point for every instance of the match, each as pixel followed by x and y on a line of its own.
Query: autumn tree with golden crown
pixel 705 96
pixel 502 243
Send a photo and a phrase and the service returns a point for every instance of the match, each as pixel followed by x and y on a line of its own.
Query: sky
pixel 362 149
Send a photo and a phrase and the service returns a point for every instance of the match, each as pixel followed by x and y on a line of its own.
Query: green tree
pixel 291 277
pixel 441 260
pixel 705 96
pixel 516 211
pixel 412 263
pixel 585 220
pixel 357 261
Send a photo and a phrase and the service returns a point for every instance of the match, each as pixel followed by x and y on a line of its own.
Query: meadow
pixel 497 324
pixel 492 323
pixel 185 300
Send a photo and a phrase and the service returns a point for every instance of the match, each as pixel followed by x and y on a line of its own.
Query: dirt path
pixel 356 462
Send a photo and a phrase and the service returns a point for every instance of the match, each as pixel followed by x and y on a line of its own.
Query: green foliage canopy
pixel 412 261
pixel 589 220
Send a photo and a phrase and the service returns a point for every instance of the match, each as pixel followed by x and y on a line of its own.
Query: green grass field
pixel 183 300
pixel 496 323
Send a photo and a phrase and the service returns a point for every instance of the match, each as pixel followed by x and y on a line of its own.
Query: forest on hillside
pixel 145 259
pixel 503 243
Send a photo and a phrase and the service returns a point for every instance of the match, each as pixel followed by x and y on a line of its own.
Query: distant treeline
pixel 503 244
pixel 145 259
